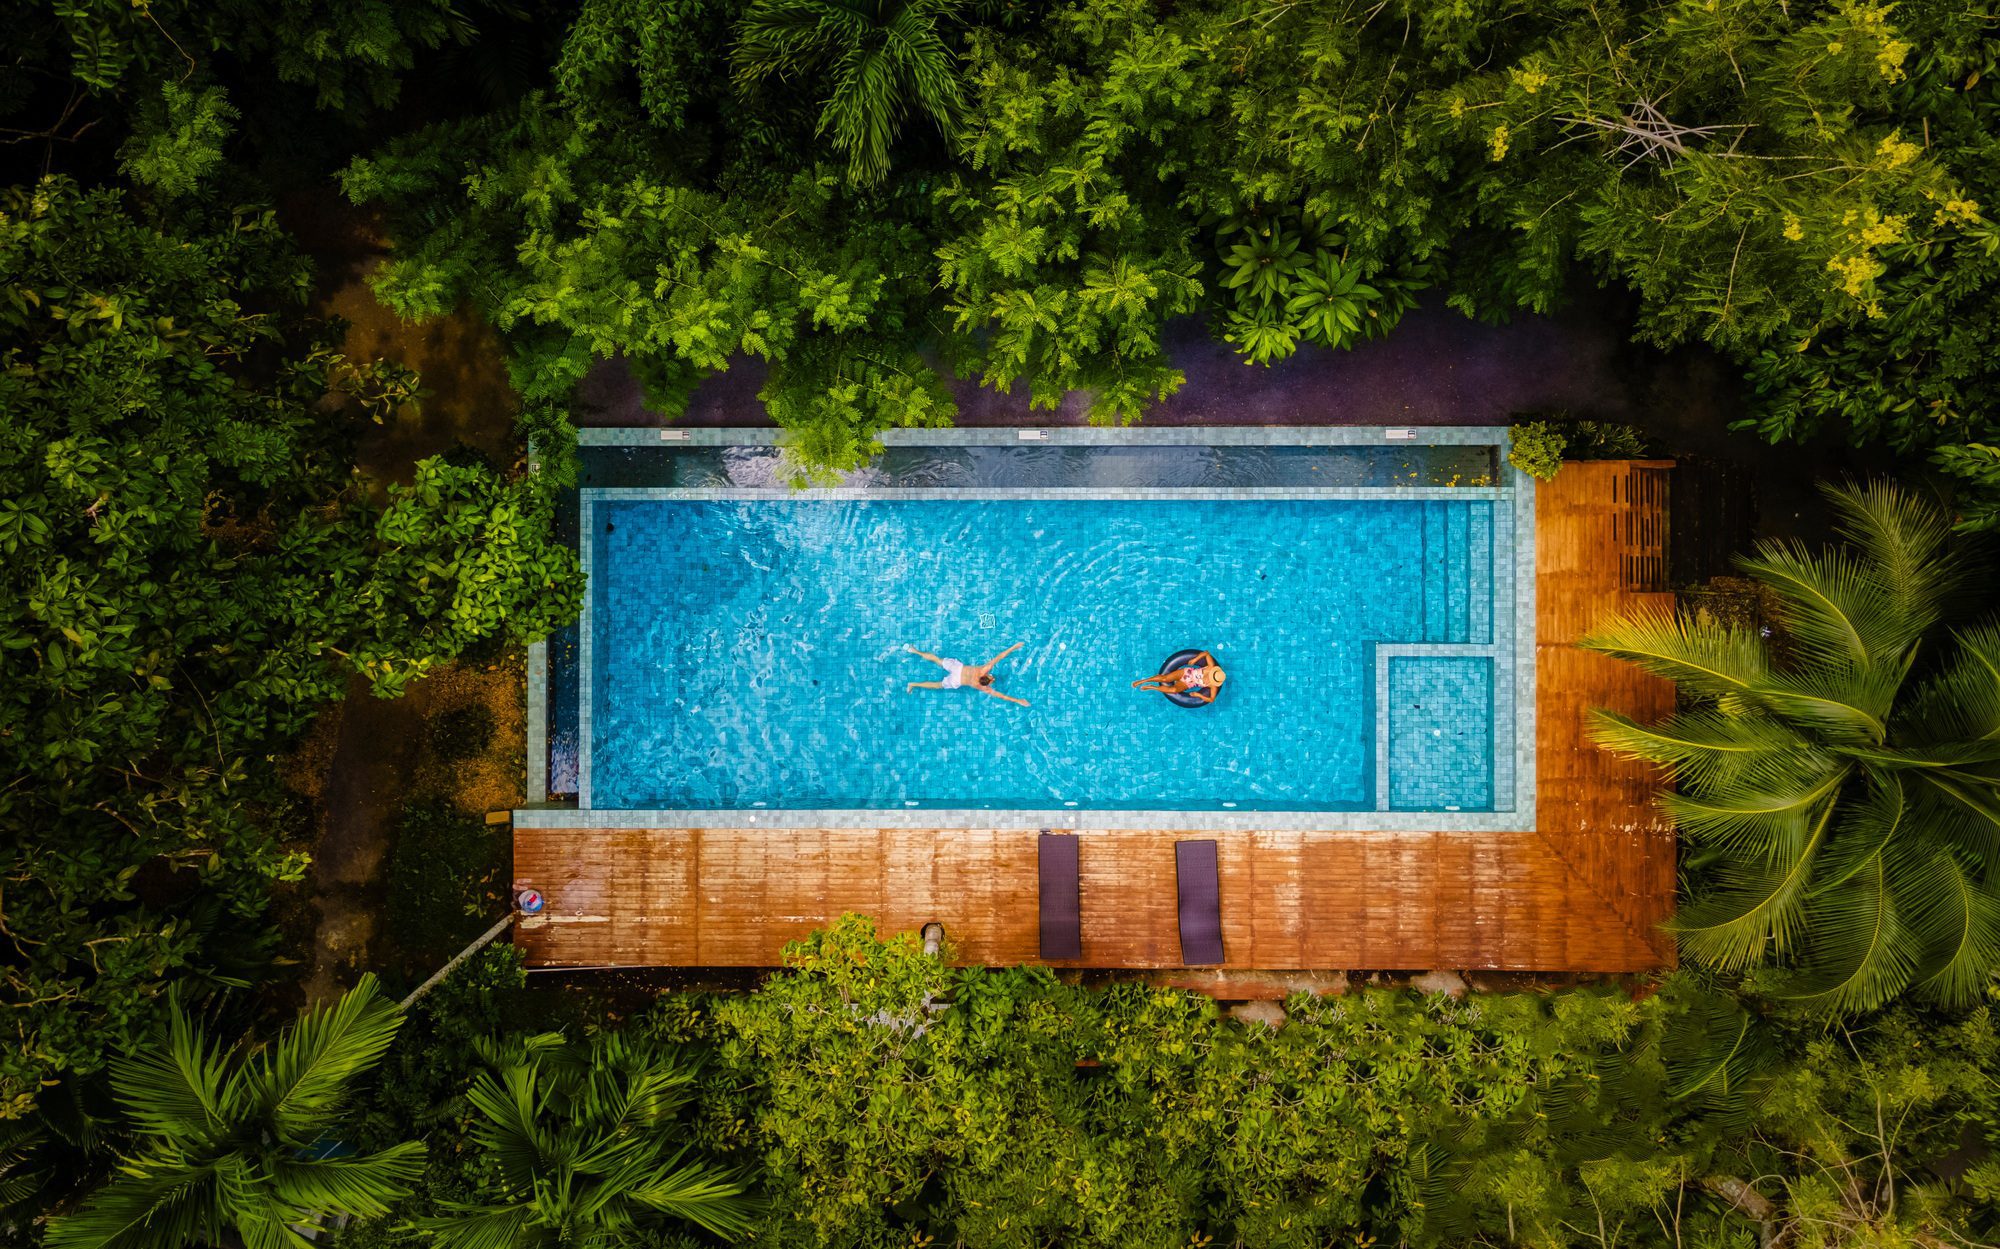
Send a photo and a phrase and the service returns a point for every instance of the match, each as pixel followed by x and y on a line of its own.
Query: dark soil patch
pixel 446 882
pixel 368 778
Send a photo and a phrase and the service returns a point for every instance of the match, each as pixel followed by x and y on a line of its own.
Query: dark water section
pixel 1045 467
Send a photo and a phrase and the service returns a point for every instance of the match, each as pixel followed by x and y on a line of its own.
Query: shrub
pixel 1538 448
pixel 1604 440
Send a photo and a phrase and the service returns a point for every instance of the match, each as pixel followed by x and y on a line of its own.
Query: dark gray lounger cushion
pixel 1201 902
pixel 1062 929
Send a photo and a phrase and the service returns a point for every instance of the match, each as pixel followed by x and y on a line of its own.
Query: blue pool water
pixel 750 653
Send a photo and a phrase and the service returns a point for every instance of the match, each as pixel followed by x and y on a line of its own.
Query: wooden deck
pixel 1584 891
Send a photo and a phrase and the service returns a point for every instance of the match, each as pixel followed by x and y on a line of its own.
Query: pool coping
pixel 1085 436
pixel 1514 582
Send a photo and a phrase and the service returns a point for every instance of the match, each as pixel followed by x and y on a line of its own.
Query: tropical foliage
pixel 893 1098
pixel 585 1149
pixel 871 204
pixel 1537 448
pixel 190 572
pixel 345 53
pixel 1800 188
pixel 231 1138
pixel 882 58
pixel 1839 786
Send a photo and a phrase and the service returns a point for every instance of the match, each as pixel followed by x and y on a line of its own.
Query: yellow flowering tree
pixel 1801 186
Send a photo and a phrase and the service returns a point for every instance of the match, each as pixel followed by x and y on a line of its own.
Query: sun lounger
pixel 1062 935
pixel 1201 902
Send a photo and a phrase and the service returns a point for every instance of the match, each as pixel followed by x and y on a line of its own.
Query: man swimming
pixel 960 676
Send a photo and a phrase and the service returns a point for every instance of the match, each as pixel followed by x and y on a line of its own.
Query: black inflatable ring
pixel 1175 661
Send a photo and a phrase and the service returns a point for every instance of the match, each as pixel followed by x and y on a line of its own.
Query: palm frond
pixel 21 1145
pixel 879 59
pixel 176 1085
pixel 1716 661
pixel 1833 610
pixel 658 1092
pixel 1842 705
pixel 1937 757
pixel 1906 543
pixel 1959 916
pixel 262 1221
pixel 1702 748
pixel 1756 906
pixel 582 1136
pixel 1965 809
pixel 1861 951
pixel 364 1187
pixel 1961 703
pixel 304 1076
pixel 1866 828
pixel 778 38
pixel 1716 1055
pixel 476 1227
pixel 708 1196
pixel 1765 810
pixel 912 39
pixel 509 1106
pixel 1903 888
pixel 864 113
pixel 154 1205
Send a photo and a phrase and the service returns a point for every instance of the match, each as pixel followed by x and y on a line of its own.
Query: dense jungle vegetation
pixel 878 198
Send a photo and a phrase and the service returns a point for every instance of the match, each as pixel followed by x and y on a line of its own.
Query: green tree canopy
pixel 1801 186
pixel 892 1095
pixel 349 53
pixel 893 1098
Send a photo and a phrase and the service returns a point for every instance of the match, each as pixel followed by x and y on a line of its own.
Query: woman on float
pixel 1199 678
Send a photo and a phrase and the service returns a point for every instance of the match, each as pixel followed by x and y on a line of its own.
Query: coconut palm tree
pixel 585 1149
pixel 1839 786
pixel 882 58
pixel 233 1138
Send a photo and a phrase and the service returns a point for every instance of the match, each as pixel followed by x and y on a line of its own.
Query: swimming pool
pixel 741 656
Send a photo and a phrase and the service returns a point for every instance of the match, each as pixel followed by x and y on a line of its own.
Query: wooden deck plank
pixel 1337 896
pixel 1584 891
pixel 1278 917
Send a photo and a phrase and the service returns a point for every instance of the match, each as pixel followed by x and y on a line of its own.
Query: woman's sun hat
pixel 1215 675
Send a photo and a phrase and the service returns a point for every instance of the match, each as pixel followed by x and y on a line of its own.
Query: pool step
pixel 1434 580
pixel 1458 557
pixel 1479 569
pixel 1458 591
